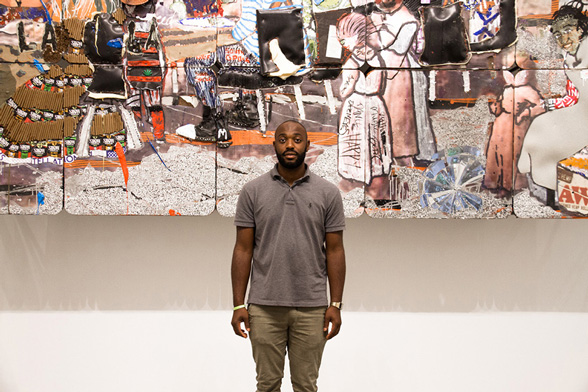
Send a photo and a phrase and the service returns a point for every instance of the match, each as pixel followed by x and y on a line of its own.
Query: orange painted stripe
pixel 110 162
pixel 253 137
pixel 463 100
pixel 538 16
pixel 156 79
pixel 143 63
pixel 418 168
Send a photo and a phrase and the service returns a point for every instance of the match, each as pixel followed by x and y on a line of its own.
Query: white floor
pixel 181 351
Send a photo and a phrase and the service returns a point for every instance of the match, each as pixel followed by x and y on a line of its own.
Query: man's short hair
pixel 291 122
pixel 572 10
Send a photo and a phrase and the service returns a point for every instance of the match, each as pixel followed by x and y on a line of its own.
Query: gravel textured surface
pixel 526 206
pixel 187 188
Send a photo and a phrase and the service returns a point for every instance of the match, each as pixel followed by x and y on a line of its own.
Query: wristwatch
pixel 338 305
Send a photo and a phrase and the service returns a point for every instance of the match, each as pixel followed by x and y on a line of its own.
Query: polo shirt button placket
pixel 290 198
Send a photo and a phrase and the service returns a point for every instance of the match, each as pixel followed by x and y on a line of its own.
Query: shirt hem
pixel 335 228
pixel 243 224
pixel 289 304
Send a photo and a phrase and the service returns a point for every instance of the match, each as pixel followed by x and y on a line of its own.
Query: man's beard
pixel 291 165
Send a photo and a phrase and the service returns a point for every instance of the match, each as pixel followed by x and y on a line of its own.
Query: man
pixel 290 240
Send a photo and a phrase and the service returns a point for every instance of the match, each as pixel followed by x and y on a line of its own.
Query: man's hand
pixel 333 317
pixel 240 316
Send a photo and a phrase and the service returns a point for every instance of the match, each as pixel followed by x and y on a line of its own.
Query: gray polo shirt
pixel 289 264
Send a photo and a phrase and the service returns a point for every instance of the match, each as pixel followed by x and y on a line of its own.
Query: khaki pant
pixel 275 329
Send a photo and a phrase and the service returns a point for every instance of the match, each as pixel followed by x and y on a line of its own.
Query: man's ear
pixel 307 145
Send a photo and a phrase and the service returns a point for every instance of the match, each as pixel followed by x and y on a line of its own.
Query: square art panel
pixel 444 150
pixel 537 47
pixel 37 111
pixel 552 153
pixel 131 157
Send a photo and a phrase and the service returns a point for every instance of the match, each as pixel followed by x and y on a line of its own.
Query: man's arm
pixel 336 273
pixel 240 269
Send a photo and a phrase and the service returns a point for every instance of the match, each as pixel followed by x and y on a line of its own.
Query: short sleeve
pixel 244 217
pixel 335 218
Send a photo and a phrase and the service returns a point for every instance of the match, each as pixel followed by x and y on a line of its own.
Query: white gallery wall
pixel 124 304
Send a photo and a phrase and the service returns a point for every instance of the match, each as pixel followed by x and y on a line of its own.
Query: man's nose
pixel 289 143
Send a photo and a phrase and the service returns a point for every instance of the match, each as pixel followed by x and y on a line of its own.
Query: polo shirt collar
pixel 276 175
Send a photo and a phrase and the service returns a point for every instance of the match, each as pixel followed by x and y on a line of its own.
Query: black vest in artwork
pixel 446 41
pixel 103 44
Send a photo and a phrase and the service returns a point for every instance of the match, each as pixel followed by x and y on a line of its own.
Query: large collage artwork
pixel 414 108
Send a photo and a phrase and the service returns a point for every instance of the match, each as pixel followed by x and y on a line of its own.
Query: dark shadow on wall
pixel 65 262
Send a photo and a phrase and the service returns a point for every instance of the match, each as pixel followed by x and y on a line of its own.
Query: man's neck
pixel 291 175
